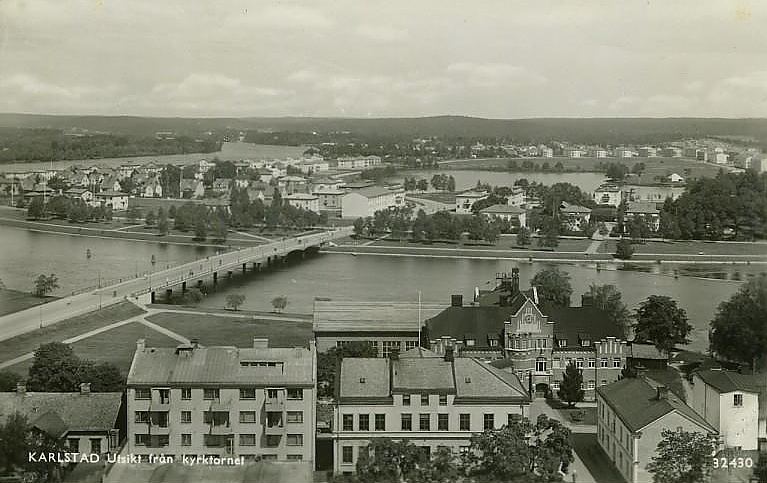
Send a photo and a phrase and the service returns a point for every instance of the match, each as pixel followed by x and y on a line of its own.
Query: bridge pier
pixel 151 298
pixel 215 278
pixel 254 266
pixel 229 274
pixel 244 267
pixel 199 283
pixel 183 286
pixel 258 265
pixel 168 294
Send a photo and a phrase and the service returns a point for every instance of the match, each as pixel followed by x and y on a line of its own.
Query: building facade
pixel 465 200
pixel 255 403
pixel 366 201
pixel 358 162
pixel 303 201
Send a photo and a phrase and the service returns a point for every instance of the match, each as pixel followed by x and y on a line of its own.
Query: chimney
pixel 449 354
pixel 260 342
pixel 662 393
pixel 456 300
pixel 535 295
pixel 141 345
pixel 21 388
pixel 195 342
pixel 85 388
pixel 514 281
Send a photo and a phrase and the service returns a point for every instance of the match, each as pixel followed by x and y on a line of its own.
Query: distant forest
pixel 28 145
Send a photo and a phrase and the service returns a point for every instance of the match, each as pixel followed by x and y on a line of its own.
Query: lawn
pixel 13 301
pixel 504 242
pixel 691 247
pixel 447 198
pixel 25 343
pixel 219 330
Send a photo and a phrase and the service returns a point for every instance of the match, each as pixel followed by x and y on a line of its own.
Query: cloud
pixel 494 74
pixel 282 17
pixel 381 33
pixel 623 102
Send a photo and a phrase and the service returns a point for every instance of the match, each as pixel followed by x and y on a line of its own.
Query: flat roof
pixel 348 316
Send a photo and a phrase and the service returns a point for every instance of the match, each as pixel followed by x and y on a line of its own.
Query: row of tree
pixel 64 207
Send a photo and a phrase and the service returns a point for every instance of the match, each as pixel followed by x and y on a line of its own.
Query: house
pixel 516 197
pixel 647 152
pixel 576 217
pixel 644 210
pixel 624 152
pixel 81 193
pixel 366 201
pixel 192 189
pixel 126 170
pixel 241 181
pixel 303 201
pixel 10 186
pixel 432 402
pixel 205 165
pixel 631 415
pixel 574 153
pixel 310 166
pixel 546 152
pixel 114 199
pixel 513 214
pixel 675 178
pixel 730 402
pixel 222 185
pixel 261 191
pixel 608 194
pixel 291 184
pixel 384 325
pixel 464 201
pixel 223 401
pixel 646 356
pixel 330 201
pixel 672 152
pixel 599 153
pixel 151 188
pixel 84 421
pixel 358 162
pixel 323 183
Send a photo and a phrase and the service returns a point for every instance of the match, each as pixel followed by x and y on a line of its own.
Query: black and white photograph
pixel 423 241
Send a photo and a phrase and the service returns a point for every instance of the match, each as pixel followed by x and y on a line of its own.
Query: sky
pixel 352 58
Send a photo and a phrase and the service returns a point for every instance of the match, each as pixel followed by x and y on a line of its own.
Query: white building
pixel 545 151
pixel 730 403
pixel 516 198
pixel 647 152
pixel 117 201
pixel 366 201
pixel 358 162
pixel 608 194
pixel 304 201
pixel 513 214
pixel 430 400
pixel 675 178
pixel 645 210
pixel 624 153
pixel 465 200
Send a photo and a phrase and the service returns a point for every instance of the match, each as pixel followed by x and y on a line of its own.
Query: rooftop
pixel 300 196
pixel 574 323
pixel 64 411
pixel 345 316
pixel 469 322
pixel 729 381
pixel 506 209
pixel 642 207
pixel 472 194
pixel 636 403
pixel 373 191
pixel 646 351
pixel 571 208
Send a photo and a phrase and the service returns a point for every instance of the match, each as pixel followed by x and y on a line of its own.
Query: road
pixel 46 314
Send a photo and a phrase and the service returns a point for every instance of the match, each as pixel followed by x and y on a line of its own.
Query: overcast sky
pixel 500 59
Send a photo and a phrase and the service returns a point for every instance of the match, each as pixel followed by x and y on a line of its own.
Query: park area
pixel 691 247
pixel 13 301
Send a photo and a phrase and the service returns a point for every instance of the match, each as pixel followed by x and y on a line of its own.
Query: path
pixel 368 243
pixel 594 247
pixel 258 237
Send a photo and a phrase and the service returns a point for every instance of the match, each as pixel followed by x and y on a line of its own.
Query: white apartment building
pixel 358 162
pixel 465 200
pixel 366 201
pixel 222 401
pixel 304 201
pixel 430 400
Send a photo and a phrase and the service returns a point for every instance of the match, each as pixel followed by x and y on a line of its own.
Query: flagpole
pixel 419 319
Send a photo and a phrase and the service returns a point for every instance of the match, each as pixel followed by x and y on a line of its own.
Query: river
pixel 466 179
pixel 698 290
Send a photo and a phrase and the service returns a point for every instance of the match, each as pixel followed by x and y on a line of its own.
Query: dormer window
pixel 561 342
pixel 585 342
pixel 362 380
pixel 467 380
pixel 470 342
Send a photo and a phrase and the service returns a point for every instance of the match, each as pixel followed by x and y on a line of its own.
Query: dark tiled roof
pixel 636 403
pixel 572 323
pixel 646 351
pixel 469 323
pixel 78 412
pixel 729 381
pixel 503 209
pixel 51 424
pixel 419 353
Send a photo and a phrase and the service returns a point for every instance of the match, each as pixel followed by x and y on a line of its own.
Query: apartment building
pixel 255 403
pixel 464 201
pixel 432 401
pixel 366 201
pixel 303 201
pixel 358 162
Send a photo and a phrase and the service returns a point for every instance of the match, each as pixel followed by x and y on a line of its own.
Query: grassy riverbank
pixel 14 300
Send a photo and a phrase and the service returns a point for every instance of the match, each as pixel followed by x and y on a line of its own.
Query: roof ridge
pixel 497 376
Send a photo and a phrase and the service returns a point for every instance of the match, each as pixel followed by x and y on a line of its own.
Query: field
pixel 25 343
pixel 691 247
pixel 13 300
pixel 239 332
pixel 504 242
pixel 447 198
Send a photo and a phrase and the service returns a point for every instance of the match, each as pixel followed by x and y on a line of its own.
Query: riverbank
pixel 15 300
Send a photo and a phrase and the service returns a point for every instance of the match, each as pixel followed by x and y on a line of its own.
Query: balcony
pixel 221 429
pixel 276 430
pixel 275 404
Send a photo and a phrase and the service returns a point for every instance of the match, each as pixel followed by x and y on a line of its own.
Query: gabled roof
pixel 728 381
pixel 571 208
pixel 372 191
pixel 96 411
pixel 51 424
pixel 108 193
pixel 572 323
pixel 636 403
pixel 419 353
pixel 503 209
pixel 472 322
pixel 646 351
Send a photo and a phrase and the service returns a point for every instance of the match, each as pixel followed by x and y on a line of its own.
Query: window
pixel 555 385
pixel 443 399
pixel 295 417
pixel 347 454
pixel 387 346
pixel 143 393
pixel 295 457
pixel 186 393
pixel 591 385
pixel 186 439
pixel 73 444
pixel 442 422
pixel 603 382
pixel 295 440
pixel 410 344
pixel 424 399
pixel 272 440
pixel 380 422
pixel 489 421
pixel 556 362
pixel 463 449
pixel 540 365
pixel 348 422
pixel 274 419
pixel 272 393
pixel 141 417
pixel 164 395
pixel 247 393
pixel 592 362
pixel 579 363
pixel 247 416
pixel 96 445
pixel 186 417
pixel 295 393
pixel 141 439
pixel 364 422
pixel 209 394
pixel 406 399
pixel 464 422
pixel 247 440
pixel 406 422
pixel 603 362
pixel 512 418
pixel 424 422
pixel 562 342
pixel 737 400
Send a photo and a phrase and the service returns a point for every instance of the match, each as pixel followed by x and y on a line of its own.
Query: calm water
pixel 465 179
pixel 229 151
pixel 26 254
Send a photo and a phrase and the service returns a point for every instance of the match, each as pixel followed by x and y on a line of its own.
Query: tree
pixel 609 299
pixel 550 233
pixel 553 286
pixel 617 171
pixel 8 381
pixel 570 389
pixel 623 249
pixel 200 230
pixel 422 185
pixel 450 184
pixel 234 300
pixel 45 284
pixel 659 321
pixel 162 222
pixel 359 226
pixel 388 461
pixel 328 363
pixel 739 329
pixel 103 377
pixel 760 471
pixel 279 303
pixel 55 368
pixel 18 440
pixel 523 237
pixel 133 214
pixel 36 208
pixel 683 457
pixel 220 230
pixel 149 219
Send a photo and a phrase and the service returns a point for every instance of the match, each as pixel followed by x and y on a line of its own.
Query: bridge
pixel 146 287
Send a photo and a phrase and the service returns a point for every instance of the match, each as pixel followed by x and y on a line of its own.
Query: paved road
pixel 68 307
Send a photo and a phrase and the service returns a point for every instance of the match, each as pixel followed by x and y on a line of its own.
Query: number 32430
pixel 733 463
